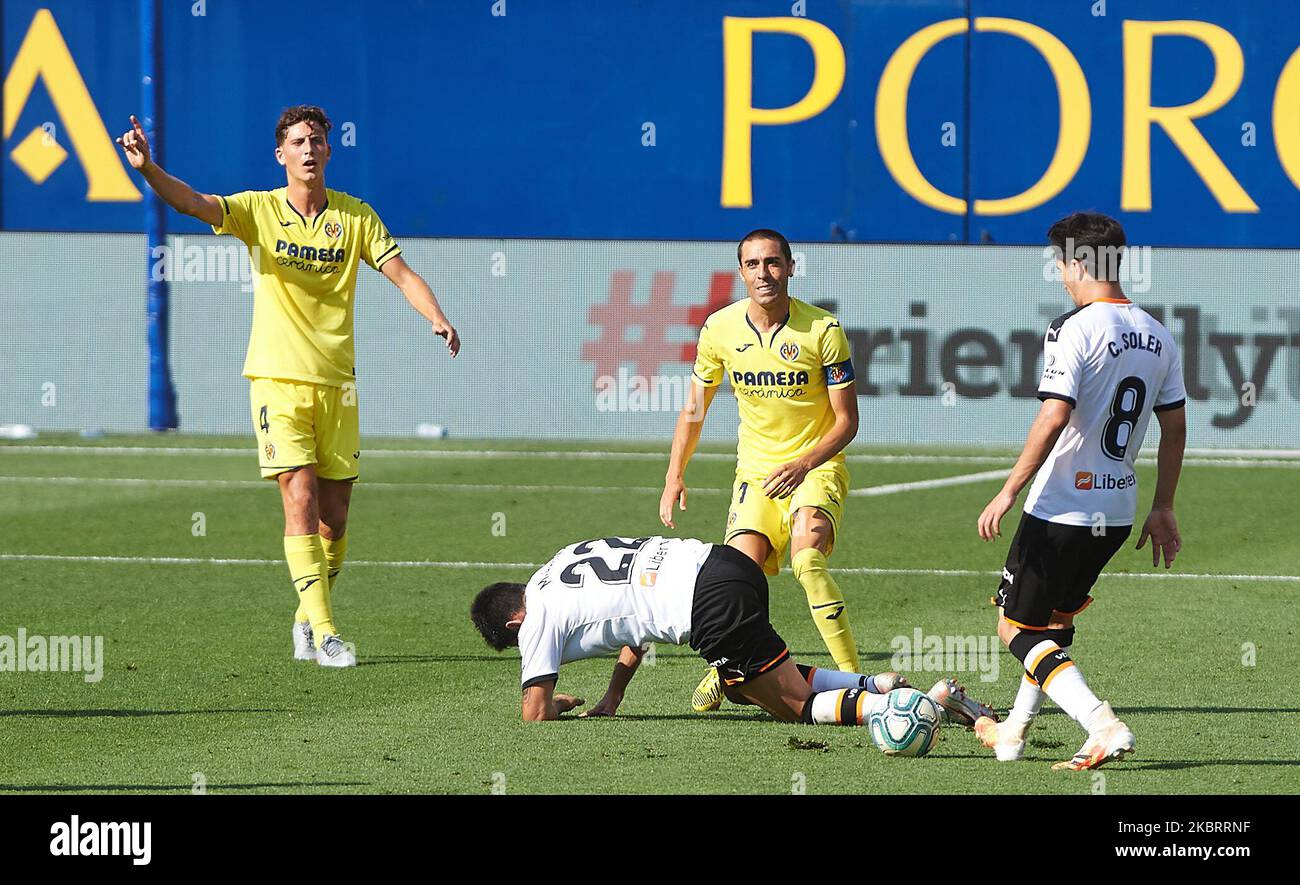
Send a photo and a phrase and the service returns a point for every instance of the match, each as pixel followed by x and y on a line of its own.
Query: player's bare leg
pixel 757 547
pixel 811 538
pixel 335 501
pixel 782 691
pixel 707 696
pixel 298 494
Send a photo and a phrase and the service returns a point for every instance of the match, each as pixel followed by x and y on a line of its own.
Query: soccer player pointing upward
pixel 789 367
pixel 306 243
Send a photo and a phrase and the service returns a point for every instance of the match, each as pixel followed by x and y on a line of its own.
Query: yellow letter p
pixel 739 114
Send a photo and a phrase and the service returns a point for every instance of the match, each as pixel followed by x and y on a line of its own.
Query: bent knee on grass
pixel 781 692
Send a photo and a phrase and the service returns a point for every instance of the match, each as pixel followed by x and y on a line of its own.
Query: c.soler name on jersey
pixel 1134 341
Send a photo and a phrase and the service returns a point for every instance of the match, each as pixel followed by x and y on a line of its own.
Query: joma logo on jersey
pixel 1086 482
pixel 308 253
pixel 769 379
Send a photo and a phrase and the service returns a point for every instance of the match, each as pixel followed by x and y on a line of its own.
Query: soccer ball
pixel 907 725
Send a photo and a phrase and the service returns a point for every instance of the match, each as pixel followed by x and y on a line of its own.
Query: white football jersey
pixel 595 597
pixel 1115 364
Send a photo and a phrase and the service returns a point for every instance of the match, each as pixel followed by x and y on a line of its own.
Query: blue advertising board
pixel 925 121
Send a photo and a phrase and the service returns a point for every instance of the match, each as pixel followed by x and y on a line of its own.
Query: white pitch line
pixel 868 491
pixel 468 564
pixel 895 487
pixel 972 573
pixel 1208 456
pixel 385 486
pixel 145 482
pixel 203 560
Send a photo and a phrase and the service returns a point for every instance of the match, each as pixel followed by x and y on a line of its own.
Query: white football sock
pixel 845 706
pixel 1071 693
pixel 1029 700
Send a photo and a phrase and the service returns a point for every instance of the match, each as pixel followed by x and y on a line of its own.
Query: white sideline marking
pixel 868 491
pixel 466 564
pixel 385 486
pixel 1206 456
pixel 964 479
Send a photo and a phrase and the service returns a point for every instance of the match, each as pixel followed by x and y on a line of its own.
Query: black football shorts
pixel 729 621
pixel 1051 567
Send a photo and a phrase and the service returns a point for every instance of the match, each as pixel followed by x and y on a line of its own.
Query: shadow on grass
pixel 370 660
pixel 1123 710
pixel 686 654
pixel 1179 765
pixel 77 714
pixel 167 788
pixel 756 716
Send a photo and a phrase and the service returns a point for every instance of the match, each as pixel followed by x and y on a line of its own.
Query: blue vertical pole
pixel 162 395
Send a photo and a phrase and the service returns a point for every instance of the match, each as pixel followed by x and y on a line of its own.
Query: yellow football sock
pixel 827 606
pixel 307 567
pixel 336 549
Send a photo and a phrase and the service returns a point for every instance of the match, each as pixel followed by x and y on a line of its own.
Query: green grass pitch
pixel 199 687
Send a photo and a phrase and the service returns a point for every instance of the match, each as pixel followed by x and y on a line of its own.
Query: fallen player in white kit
pixel 621 594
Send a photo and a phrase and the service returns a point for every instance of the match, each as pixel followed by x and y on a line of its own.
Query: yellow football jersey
pixel 304 281
pixel 780 379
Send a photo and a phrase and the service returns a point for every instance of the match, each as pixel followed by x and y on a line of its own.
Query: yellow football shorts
pixel 753 511
pixel 299 424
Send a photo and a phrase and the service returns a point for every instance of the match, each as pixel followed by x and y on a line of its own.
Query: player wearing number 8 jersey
pixel 1108 366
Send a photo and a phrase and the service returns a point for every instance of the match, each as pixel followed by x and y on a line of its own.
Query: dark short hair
pixel 494 605
pixel 764 233
pixel 302 113
pixel 1096 240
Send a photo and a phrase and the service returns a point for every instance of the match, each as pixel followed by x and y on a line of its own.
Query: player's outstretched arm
pixel 174 192
pixel 421 297
pixel 542 703
pixel 1052 418
pixel 1161 526
pixel 685 438
pixel 628 660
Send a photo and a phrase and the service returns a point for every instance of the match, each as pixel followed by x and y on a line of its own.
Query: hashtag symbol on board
pixel 620 314
pixel 720 284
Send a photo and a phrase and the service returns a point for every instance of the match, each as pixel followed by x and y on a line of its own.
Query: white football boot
pixel 304 648
pixel 1005 739
pixel 1110 741
pixel 889 680
pixel 958 707
pixel 333 653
